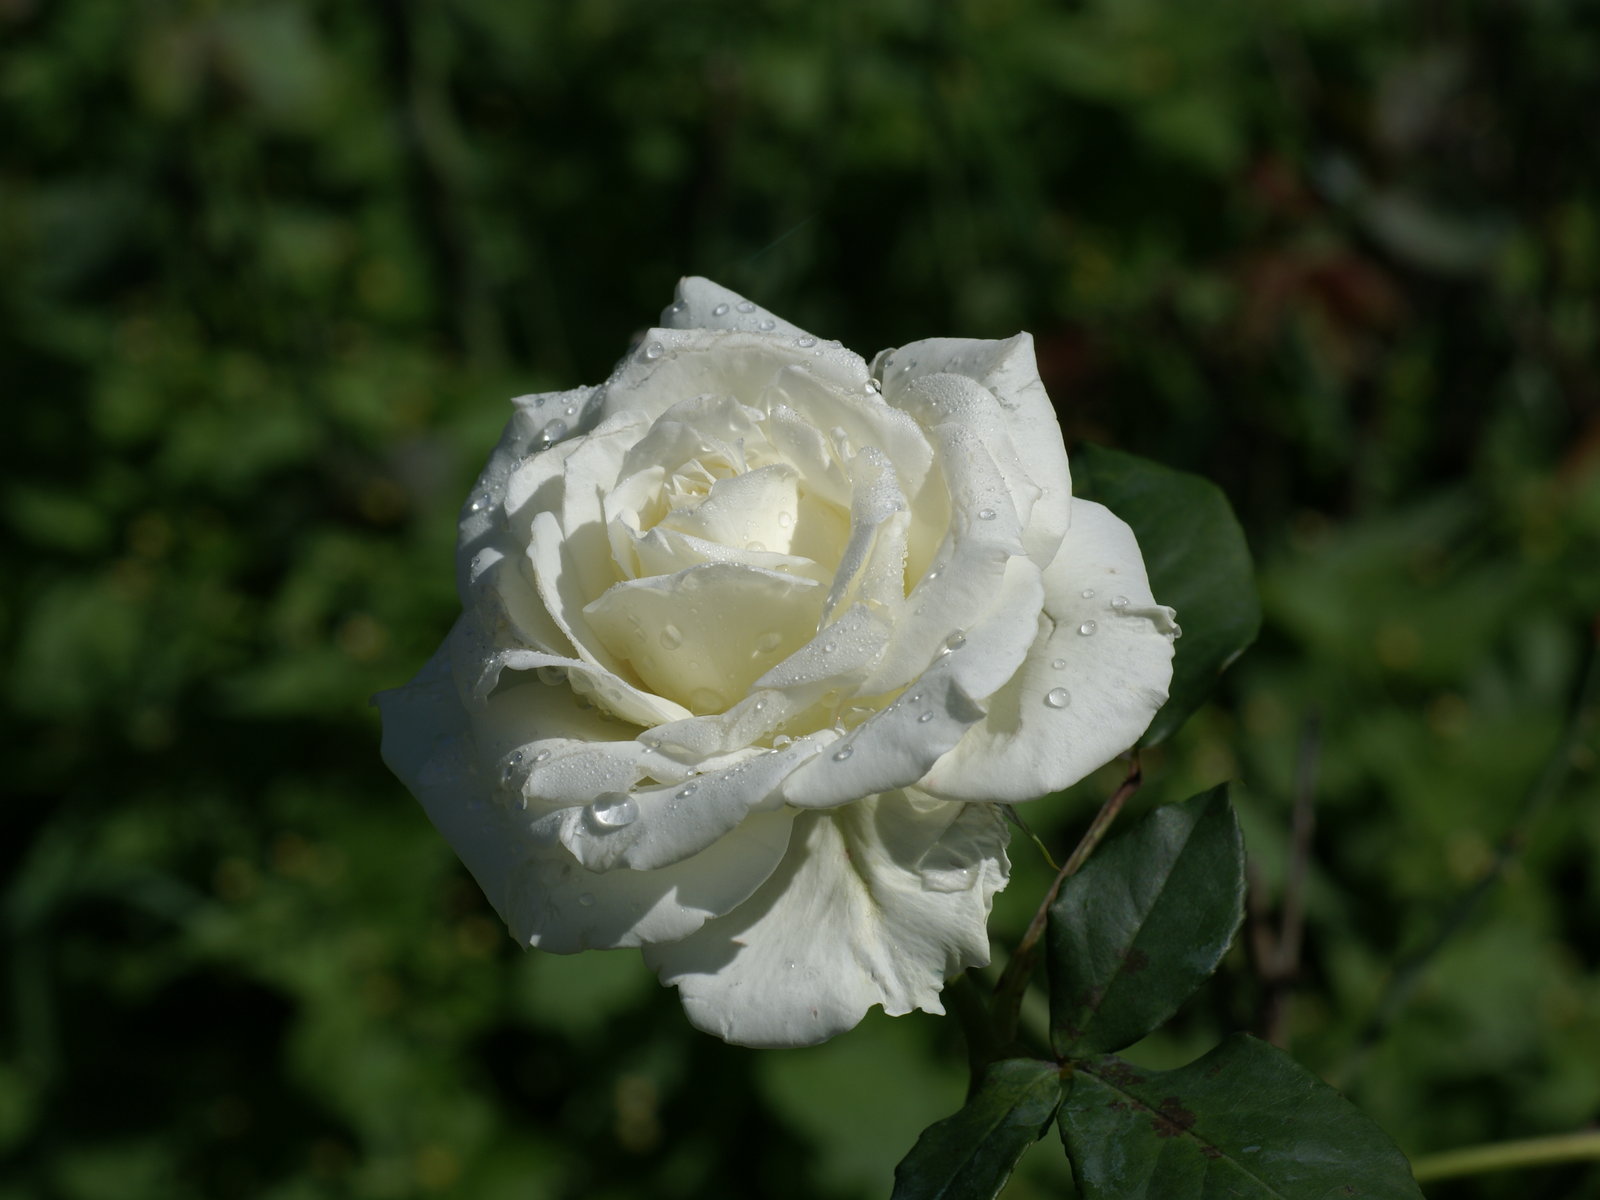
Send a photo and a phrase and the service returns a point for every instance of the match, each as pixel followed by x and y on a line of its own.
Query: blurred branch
pixel 1276 956
pixel 1408 974
pixel 1506 1156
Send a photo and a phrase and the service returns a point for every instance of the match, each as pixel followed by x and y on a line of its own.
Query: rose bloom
pixel 756 641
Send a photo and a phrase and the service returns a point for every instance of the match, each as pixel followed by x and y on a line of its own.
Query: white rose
pixel 756 639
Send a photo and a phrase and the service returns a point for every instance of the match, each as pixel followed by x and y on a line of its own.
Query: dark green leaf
pixel 1144 923
pixel 1198 563
pixel 970 1155
pixel 1244 1121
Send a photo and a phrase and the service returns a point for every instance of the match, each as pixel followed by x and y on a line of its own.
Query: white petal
pixel 1009 371
pixel 893 748
pixel 877 903
pixel 960 595
pixel 701 304
pixel 1053 724
pixel 872 568
pixel 702 636
pixel 659 826
pixel 539 890
pixel 709 362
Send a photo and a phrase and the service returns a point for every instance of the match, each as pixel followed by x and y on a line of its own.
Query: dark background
pixel 268 273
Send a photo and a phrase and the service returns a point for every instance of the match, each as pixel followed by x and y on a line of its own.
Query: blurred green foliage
pixel 270 270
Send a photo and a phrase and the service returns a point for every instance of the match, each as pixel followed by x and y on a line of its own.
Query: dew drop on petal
pixel 842 753
pixel 924 718
pixel 755 547
pixel 782 740
pixel 1087 593
pixel 807 342
pixel 767 325
pixel 829 647
pixel 1119 603
pixel 654 350
pixel 720 310
pixel 1087 628
pixel 1059 664
pixel 586 899
pixel 512 763
pixel 686 791
pixel 551 676
pixel 874 387
pixel 768 642
pixel 955 641
pixel 785 520
pixel 671 637
pixel 542 756
pixel 480 502
pixel 986 514
pixel 555 431
pixel 746 307
pixel 1058 697
pixel 613 810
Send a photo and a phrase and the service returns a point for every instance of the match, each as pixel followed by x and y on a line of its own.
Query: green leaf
pixel 1244 1121
pixel 1198 562
pixel 1144 923
pixel 970 1155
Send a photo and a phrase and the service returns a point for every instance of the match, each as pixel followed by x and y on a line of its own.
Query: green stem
pixel 1014 979
pixel 1505 1156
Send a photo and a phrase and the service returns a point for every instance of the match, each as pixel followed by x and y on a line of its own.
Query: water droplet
pixel 986 514
pixel 955 641
pixel 805 343
pixel 1059 664
pixel 759 706
pixel 782 740
pixel 924 718
pixel 1119 603
pixel 551 675
pixel 613 810
pixel 746 307
pixel 789 964
pixel 785 520
pixel 842 753
pixel 671 637
pixel 686 791
pixel 829 647
pixel 542 756
pixel 1087 628
pixel 554 432
pixel 1058 697
pixel 932 575
pixel 767 325
pixel 720 310
pixel 677 307
pixel 480 502
pixel 572 410
pixel 914 698
pixel 756 547
pixel 1087 593
pixel 586 899
pixel 768 642
pixel 512 763
pixel 654 350
pixel 874 387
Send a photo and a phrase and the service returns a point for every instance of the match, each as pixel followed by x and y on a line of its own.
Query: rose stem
pixel 1014 979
